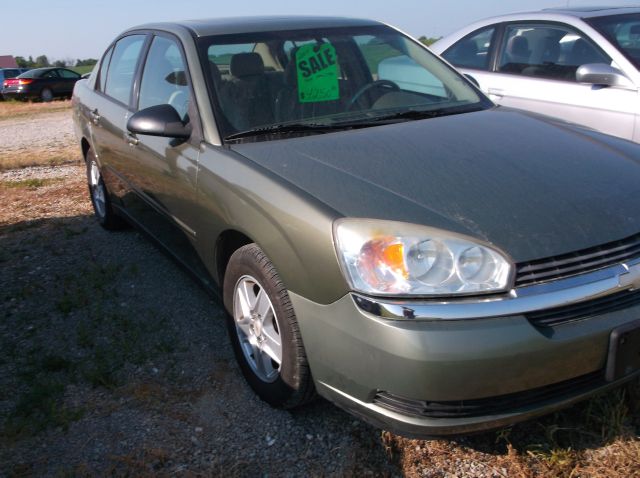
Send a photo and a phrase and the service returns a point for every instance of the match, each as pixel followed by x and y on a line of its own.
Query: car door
pixel 163 171
pixel 68 78
pixel 532 65
pixel 50 79
pixel 108 111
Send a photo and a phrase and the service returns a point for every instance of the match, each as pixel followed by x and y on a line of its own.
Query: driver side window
pixel 164 78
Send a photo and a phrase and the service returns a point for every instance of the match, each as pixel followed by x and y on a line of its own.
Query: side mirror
pixel 85 76
pixel 601 74
pixel 160 120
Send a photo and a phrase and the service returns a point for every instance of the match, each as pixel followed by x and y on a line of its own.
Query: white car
pixel 579 64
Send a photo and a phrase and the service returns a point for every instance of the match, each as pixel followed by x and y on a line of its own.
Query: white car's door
pixel 535 69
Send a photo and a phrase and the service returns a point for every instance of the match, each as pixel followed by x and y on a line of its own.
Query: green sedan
pixel 429 262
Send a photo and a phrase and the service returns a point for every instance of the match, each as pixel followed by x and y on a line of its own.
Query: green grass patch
pixel 81 70
pixel 32 183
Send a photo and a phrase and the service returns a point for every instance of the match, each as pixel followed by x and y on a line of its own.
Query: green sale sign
pixel 317 67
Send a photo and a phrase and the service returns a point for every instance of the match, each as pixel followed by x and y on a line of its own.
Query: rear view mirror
pixel 601 74
pixel 160 120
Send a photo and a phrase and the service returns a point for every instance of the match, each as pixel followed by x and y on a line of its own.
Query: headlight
pixel 394 258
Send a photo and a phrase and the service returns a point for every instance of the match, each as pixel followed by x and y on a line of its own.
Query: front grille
pixel 584 310
pixel 492 405
pixel 575 263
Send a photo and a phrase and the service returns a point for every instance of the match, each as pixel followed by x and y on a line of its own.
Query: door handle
pixel 132 140
pixel 496 92
pixel 95 117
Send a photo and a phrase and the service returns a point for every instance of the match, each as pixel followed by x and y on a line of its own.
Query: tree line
pixel 42 61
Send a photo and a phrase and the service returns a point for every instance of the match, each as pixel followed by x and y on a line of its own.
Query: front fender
pixel 293 229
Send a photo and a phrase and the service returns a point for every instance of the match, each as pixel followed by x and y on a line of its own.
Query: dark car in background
pixel 41 84
pixel 6 73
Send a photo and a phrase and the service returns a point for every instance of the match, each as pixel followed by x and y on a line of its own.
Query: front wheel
pixel 264 330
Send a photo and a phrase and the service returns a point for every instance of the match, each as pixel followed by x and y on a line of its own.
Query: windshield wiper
pixel 409 115
pixel 287 128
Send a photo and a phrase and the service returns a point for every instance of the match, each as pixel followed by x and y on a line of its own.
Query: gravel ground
pixel 114 362
pixel 48 131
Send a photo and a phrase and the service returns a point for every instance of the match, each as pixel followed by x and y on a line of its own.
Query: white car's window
pixel 472 51
pixel 164 80
pixel 623 31
pixel 122 67
pixel 546 51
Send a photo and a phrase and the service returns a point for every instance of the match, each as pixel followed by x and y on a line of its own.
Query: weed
pixel 38 408
pixel 32 183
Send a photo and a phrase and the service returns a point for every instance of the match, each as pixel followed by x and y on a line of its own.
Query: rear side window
pixel 472 51
pixel 546 51
pixel 104 66
pixel 164 79
pixel 68 74
pixel 51 74
pixel 122 67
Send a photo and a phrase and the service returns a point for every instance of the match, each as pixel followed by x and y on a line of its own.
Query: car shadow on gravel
pixel 114 361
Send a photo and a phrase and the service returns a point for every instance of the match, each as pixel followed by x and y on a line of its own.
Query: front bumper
pixel 368 355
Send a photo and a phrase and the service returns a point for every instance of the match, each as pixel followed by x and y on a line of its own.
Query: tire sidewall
pixel 276 393
pixel 42 95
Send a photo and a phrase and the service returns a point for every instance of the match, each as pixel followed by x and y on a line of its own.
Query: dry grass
pixel 32 200
pixel 55 156
pixel 10 110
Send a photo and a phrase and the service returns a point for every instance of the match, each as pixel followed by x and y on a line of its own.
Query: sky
pixel 71 29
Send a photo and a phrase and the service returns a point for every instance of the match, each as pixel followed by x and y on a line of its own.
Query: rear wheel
pixel 46 95
pixel 264 331
pixel 100 197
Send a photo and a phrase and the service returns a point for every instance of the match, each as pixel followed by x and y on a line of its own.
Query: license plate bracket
pixel 624 351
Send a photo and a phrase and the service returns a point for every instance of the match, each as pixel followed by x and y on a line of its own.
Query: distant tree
pixel 30 62
pixel 86 62
pixel 428 40
pixel 42 60
pixel 22 62
pixel 59 63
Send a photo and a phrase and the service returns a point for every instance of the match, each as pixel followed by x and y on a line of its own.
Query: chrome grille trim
pixel 580 262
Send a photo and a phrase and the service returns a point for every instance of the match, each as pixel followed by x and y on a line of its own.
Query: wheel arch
pixel 228 242
pixel 84 144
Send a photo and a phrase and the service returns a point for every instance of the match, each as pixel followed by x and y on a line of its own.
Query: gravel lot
pixel 49 131
pixel 113 362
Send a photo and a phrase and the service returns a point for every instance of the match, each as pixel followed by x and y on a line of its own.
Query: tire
pixel 261 316
pixel 46 95
pixel 100 197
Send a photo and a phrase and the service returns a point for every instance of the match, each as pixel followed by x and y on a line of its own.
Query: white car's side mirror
pixel 602 75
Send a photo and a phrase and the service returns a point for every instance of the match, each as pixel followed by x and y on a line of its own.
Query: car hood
pixel 532 186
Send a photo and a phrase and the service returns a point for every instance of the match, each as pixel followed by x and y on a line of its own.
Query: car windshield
pixel 623 31
pixel 305 81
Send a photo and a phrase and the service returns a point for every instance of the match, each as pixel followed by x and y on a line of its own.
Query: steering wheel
pixel 374 84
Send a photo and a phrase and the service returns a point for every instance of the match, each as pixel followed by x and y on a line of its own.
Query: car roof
pixel 224 26
pixel 588 12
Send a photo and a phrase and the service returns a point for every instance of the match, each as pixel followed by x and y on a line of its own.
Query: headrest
pixel 246 64
pixel 518 45
pixel 215 72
